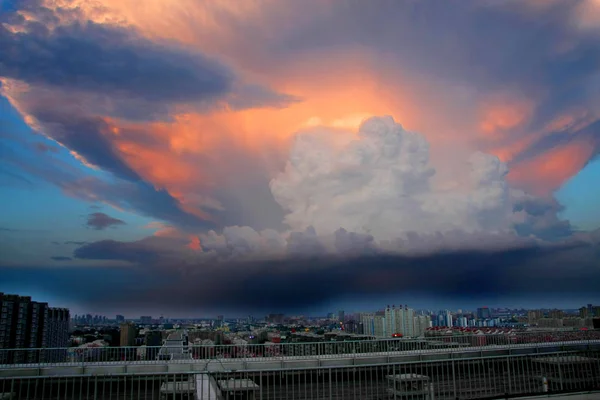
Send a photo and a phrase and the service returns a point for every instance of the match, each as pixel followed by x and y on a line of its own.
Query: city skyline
pixel 294 155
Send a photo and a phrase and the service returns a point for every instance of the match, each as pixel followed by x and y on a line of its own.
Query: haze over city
pixel 304 156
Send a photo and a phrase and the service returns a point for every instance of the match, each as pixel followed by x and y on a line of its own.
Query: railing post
pixel 508 374
pixel 330 386
pixel 453 376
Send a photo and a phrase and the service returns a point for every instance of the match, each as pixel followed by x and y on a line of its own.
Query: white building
pixel 400 320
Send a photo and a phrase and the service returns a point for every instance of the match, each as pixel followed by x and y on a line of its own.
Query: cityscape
pixel 35 335
pixel 299 199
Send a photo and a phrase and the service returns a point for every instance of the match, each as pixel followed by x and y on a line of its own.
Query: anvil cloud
pixel 249 132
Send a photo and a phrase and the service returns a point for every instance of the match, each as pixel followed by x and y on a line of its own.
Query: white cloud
pixel 379 183
pixel 373 192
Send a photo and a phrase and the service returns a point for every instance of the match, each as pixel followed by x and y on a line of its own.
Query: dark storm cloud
pixel 101 221
pixel 61 258
pixel 125 74
pixel 305 282
pixel 97 58
pixel 150 250
pixel 86 137
pixel 114 250
pixel 541 218
pixel 140 196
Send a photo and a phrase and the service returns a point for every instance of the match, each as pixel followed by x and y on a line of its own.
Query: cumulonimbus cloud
pixel 372 192
pixel 379 188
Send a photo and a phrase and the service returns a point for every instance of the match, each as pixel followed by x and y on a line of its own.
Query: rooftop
pixel 407 377
pixel 234 385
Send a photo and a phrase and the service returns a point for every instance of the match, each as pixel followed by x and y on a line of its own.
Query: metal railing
pixel 483 378
pixel 300 350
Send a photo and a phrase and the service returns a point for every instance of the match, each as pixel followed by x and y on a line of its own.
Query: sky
pixel 199 157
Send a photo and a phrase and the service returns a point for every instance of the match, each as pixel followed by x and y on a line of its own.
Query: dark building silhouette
pixel 153 341
pixel 27 324
pixel 484 313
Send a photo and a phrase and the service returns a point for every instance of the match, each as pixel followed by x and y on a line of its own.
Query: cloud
pixel 542 67
pixel 61 258
pixel 152 250
pixel 185 150
pixel 301 284
pixel 538 216
pixel 374 192
pixel 381 183
pixel 101 221
pixel 112 60
pixel 139 197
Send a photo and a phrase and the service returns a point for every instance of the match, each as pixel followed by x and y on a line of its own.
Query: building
pixel 152 341
pixel 556 314
pixel 368 323
pixel 120 319
pixel 128 334
pixel 399 320
pixel 271 318
pixel 57 334
pixel 29 324
pixel 341 316
pixel 484 313
pixel 58 327
pixel 533 316
pixel 421 323
pixel 146 320
pixel 379 328
pixel 448 319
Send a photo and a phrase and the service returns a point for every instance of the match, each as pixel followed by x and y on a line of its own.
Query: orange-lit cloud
pixel 196 151
pixel 194 243
pixel 551 169
pixel 503 114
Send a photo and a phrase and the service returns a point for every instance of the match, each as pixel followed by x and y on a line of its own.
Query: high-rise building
pixel 368 323
pixel 128 334
pixel 57 334
pixel 146 319
pixel 448 319
pixel 341 316
pixel 399 320
pixel 29 324
pixel 379 324
pixel 421 323
pixel 484 313
pixel 120 319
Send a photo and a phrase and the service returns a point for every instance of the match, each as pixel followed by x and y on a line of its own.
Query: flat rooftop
pixel 175 336
pixel 235 385
pixel 178 387
pixel 569 359
pixel 407 377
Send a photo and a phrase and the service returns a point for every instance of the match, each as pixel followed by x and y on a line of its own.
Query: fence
pixel 475 378
pixel 188 353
